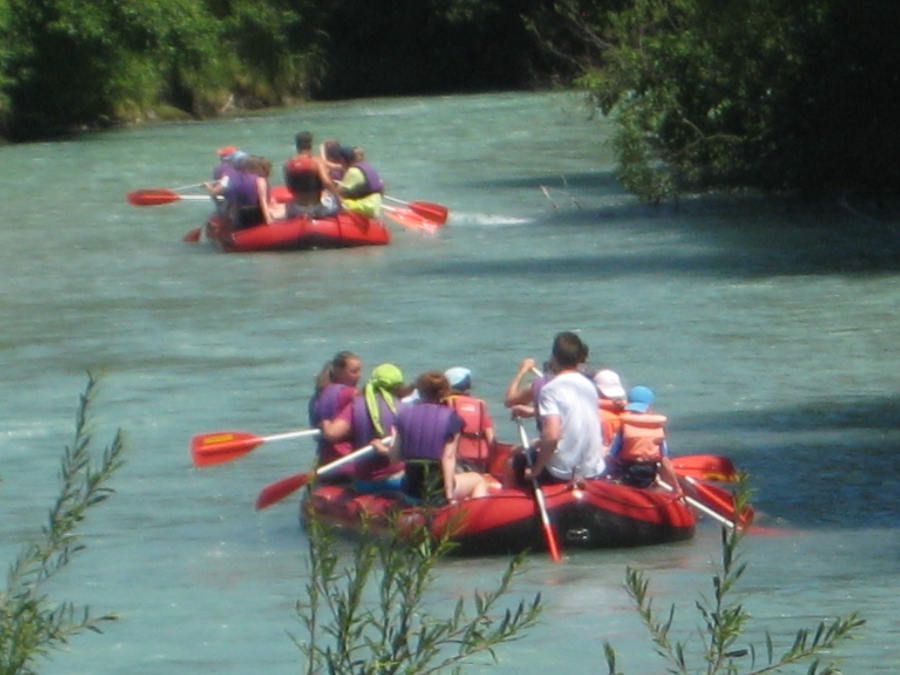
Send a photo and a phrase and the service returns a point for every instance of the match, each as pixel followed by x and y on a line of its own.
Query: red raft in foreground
pixel 344 230
pixel 586 514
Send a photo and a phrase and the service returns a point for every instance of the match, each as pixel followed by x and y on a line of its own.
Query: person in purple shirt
pixel 335 388
pixel 367 419
pixel 426 439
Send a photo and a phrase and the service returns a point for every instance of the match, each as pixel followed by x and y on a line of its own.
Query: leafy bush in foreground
pixel 31 624
pixel 724 621
pixel 369 617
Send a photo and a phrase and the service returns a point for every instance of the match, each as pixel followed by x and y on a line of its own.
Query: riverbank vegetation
pixel 783 96
pixel 764 94
pixel 31 623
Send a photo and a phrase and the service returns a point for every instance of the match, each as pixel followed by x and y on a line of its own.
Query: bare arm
pixel 395 452
pixel 335 429
pixel 262 194
pixel 324 176
pixel 667 473
pixel 448 466
pixel 515 393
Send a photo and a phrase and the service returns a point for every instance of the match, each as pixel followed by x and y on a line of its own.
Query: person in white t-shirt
pixel 571 444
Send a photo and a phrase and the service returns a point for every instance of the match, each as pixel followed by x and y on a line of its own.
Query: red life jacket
pixel 301 176
pixel 642 437
pixel 472 443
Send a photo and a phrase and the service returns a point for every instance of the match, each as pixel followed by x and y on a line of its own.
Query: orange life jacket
pixel 610 422
pixel 472 443
pixel 642 437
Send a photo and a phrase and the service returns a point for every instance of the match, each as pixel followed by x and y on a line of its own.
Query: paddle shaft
pixel 280 489
pixel 549 535
pixel 699 505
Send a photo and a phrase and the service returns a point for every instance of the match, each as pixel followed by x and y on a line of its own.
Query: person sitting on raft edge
pixel 426 439
pixel 306 177
pixel 361 188
pixel 639 451
pixel 571 444
pixel 369 417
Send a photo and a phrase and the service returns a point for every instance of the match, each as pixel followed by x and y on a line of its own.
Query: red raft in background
pixel 586 514
pixel 346 229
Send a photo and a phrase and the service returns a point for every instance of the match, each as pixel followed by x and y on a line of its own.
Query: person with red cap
pixel 225 169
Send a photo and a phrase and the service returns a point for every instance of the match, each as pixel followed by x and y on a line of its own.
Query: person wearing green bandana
pixel 368 418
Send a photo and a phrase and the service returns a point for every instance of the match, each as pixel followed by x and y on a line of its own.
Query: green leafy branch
pixel 368 618
pixel 724 622
pixel 30 623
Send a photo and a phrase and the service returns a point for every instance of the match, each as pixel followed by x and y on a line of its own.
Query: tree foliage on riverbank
pixel 772 94
pixel 70 63
pixel 764 93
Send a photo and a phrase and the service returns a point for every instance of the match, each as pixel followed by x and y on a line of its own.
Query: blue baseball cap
pixel 640 399
pixel 459 378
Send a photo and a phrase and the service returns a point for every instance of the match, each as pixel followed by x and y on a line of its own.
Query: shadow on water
pixel 742 236
pixel 818 464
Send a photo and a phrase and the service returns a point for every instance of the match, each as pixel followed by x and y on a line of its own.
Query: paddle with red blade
pixel 714 501
pixel 224 446
pixel 700 506
pixel 193 235
pixel 549 535
pixel 721 501
pixel 160 196
pixel 436 213
pixel 705 467
pixel 280 489
pixel 409 219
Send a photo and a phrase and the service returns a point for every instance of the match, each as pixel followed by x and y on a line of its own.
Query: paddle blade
pixel 222 446
pixel 721 501
pixel 278 490
pixel 192 235
pixel 705 467
pixel 280 194
pixel 152 197
pixel 433 212
pixel 407 218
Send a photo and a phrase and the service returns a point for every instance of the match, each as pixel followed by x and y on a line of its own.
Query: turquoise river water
pixel 767 329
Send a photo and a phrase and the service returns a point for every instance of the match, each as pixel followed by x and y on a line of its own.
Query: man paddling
pixel 570 445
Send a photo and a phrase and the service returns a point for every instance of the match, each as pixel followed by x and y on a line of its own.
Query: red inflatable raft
pixel 344 230
pixel 586 514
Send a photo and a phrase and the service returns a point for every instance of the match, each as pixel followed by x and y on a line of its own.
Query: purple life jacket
pixel 324 406
pixel 242 189
pixel 361 422
pixel 424 429
pixel 373 465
